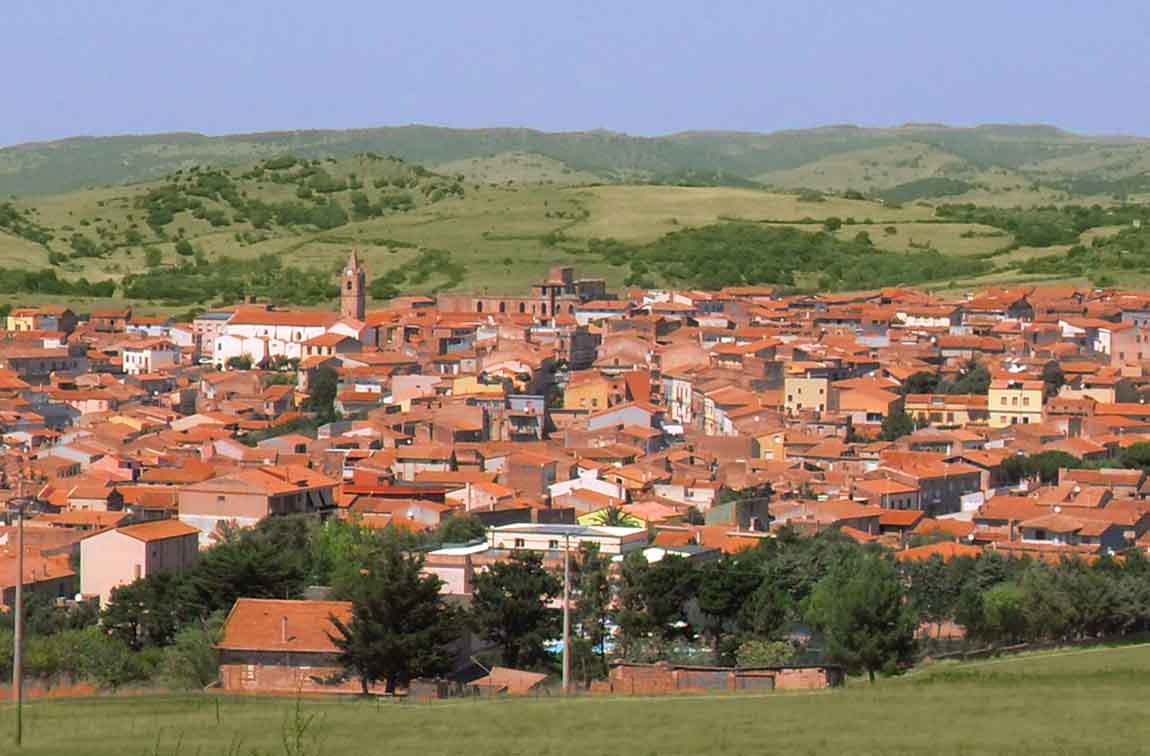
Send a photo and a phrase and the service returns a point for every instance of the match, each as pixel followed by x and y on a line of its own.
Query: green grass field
pixel 1080 702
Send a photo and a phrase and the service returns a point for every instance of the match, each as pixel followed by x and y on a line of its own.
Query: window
pixel 553 544
pixel 221 499
pixel 1026 401
pixel 522 307
pixel 479 307
pixel 1004 401
pixel 1014 401
pixel 520 543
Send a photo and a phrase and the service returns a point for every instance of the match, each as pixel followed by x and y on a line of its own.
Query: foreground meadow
pixel 1075 702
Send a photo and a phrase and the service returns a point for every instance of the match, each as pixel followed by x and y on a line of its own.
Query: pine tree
pixel 511 608
pixel 860 607
pixel 592 608
pixel 400 625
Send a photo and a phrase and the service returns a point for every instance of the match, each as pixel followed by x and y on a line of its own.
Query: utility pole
pixel 566 613
pixel 18 617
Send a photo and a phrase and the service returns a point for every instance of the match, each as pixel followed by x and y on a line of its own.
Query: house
pixel 886 493
pixel 149 356
pixel 273 646
pixel 245 497
pixel 119 556
pixel 640 414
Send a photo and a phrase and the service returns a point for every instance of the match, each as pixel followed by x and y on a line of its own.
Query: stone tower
pixel 353 293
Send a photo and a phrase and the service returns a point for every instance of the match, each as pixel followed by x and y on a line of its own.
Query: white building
pixel 531 536
pixel 263 334
pixel 149 355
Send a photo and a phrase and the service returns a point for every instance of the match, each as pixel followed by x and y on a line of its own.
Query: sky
pixel 128 66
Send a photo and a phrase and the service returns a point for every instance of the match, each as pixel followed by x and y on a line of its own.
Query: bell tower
pixel 352 300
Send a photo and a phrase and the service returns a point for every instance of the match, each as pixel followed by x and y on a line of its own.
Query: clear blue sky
pixel 117 66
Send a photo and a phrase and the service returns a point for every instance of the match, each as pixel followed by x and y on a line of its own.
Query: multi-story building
pixel 1012 401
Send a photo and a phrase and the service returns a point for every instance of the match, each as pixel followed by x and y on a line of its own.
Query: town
pixel 622 456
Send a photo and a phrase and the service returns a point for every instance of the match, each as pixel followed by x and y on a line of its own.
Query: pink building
pixel 112 558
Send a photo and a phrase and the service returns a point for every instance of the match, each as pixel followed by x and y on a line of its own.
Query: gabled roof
pixel 160 530
pixel 277 625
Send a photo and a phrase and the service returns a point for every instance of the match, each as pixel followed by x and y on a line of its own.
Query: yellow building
pixel 1014 401
pixel 587 392
pixel 22 320
pixel 947 410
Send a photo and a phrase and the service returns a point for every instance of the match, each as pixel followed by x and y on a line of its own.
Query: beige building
pixel 245 497
pixel 112 558
pixel 1011 402
pixel 809 394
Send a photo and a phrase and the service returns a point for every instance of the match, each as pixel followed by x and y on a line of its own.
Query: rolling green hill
pixel 832 158
pixel 279 227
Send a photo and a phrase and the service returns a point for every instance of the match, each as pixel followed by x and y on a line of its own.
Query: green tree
pixel 896 425
pixel 1136 455
pixel 922 382
pixel 764 653
pixel 1052 378
pixel 1004 613
pixel 321 397
pixel 149 612
pixel 724 588
pixel 459 528
pixel 653 601
pixel 973 378
pixel 933 593
pixel 153 258
pixel 270 561
pixel 192 661
pixel 860 607
pixel 184 248
pixel 400 626
pixel 511 608
pixel 240 362
pixel 592 610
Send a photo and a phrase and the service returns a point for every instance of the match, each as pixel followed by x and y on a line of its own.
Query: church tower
pixel 352 301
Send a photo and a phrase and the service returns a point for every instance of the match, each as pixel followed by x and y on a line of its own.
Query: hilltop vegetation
pixel 737 254
pixel 1015 160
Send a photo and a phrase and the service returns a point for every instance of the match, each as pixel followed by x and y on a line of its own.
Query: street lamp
pixel 18 618
pixel 566 612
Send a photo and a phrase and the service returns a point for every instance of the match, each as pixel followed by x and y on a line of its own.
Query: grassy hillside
pixel 1078 702
pixel 279 228
pixel 830 158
